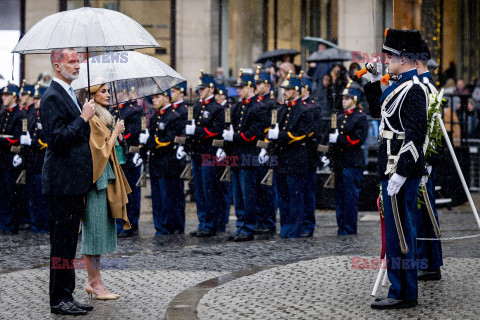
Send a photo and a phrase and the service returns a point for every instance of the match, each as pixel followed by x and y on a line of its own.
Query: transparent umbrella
pixel 85 30
pixel 126 70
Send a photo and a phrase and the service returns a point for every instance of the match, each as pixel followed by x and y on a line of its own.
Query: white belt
pixel 386 134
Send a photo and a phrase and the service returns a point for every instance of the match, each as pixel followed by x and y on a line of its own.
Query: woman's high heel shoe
pixel 92 292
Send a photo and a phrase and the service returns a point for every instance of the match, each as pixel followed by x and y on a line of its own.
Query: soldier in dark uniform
pixel 34 146
pixel 26 99
pixel 222 99
pixel 207 124
pixel 308 221
pixel 401 162
pixel 178 95
pixel 349 160
pixel 267 195
pixel 249 120
pixel 295 123
pixel 10 132
pixel 131 113
pixel 168 199
pixel 430 251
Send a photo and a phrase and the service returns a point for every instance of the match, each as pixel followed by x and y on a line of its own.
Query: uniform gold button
pixel 198 122
pixel 239 125
pixel 286 121
pixel 341 132
pixel 283 128
pixel 200 117
pixel 288 115
pixel 238 131
pixel 341 127
pixel 241 112
pixel 344 121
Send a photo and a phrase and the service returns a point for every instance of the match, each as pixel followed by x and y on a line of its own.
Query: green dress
pixel 99 235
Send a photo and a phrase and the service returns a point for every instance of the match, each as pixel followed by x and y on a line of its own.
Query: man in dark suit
pixel 66 176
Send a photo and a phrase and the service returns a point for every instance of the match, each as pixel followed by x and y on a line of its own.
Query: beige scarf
pixel 103 151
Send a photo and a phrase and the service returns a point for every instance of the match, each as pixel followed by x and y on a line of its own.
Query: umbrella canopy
pixel 92 29
pixel 126 70
pixel 276 54
pixel 311 43
pixel 331 55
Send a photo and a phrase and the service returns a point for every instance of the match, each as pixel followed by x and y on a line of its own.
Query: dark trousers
pixel 209 196
pixel 308 223
pixel 38 205
pixel 65 215
pixel 244 184
pixel 227 193
pixel 347 190
pixel 168 205
pixel 429 250
pixel 290 202
pixel 10 199
pixel 134 198
pixel 402 268
pixel 267 201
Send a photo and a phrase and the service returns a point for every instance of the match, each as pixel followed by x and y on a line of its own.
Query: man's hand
pixel 17 160
pixel 181 153
pixel 88 110
pixel 332 137
pixel 190 128
pixel 228 134
pixel 273 133
pixel 395 183
pixel 137 160
pixel 144 137
pixel 263 157
pixel 25 139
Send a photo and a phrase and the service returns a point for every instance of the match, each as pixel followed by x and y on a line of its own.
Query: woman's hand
pixel 120 126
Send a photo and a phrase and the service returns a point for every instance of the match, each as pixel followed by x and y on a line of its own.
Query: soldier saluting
pixel 401 164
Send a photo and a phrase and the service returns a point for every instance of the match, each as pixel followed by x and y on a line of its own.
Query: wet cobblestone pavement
pixel 269 278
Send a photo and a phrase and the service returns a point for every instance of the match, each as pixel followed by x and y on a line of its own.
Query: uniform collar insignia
pixel 292 103
pixel 10 109
pixel 246 101
pixel 349 111
pixel 406 76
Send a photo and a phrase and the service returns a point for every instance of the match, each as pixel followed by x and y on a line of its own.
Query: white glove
pixel 137 161
pixel 332 137
pixel 17 160
pixel 395 183
pixel 180 153
pixel 374 66
pixel 220 154
pixel 325 161
pixel 273 133
pixel 25 139
pixel 144 137
pixel 263 157
pixel 190 128
pixel 228 134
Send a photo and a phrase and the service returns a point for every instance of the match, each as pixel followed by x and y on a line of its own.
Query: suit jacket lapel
pixel 67 98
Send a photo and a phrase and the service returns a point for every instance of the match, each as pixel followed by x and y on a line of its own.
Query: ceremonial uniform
pixel 429 251
pixel 266 195
pixel 347 155
pixel 131 113
pixel 34 154
pixel 402 132
pixel 10 193
pixel 295 123
pixel 248 124
pixel 308 221
pixel 209 119
pixel 227 185
pixel 168 199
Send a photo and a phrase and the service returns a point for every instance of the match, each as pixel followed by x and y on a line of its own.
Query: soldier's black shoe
pixel 264 231
pixel 306 234
pixel 24 226
pixel 380 298
pixel 240 237
pixel 205 233
pixel 390 303
pixel 67 308
pixel 193 233
pixel 429 275
pixel 79 305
